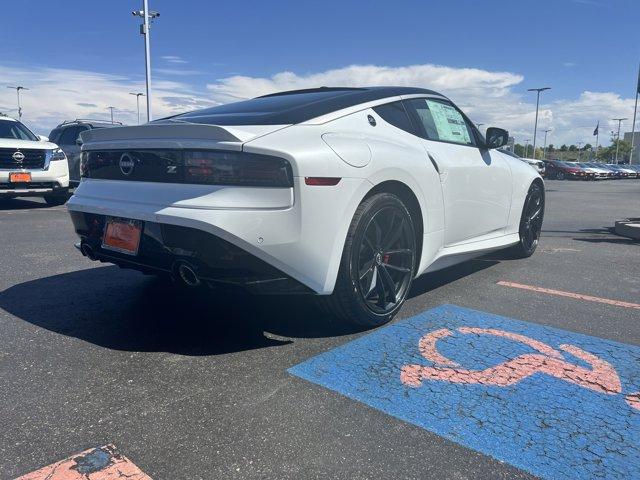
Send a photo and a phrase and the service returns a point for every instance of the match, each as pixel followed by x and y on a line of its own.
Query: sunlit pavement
pixel 494 369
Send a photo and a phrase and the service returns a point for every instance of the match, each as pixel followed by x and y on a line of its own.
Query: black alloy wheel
pixel 531 222
pixel 560 175
pixel 383 261
pixel 378 263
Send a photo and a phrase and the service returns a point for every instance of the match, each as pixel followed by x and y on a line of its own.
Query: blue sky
pixel 574 46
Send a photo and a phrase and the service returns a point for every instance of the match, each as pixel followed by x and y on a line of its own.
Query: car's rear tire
pixel 560 176
pixel 378 263
pixel 530 222
pixel 56 199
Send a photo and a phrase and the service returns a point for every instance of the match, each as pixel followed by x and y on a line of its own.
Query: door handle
pixel 434 163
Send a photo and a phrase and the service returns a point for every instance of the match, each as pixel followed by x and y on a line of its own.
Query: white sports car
pixel 345 193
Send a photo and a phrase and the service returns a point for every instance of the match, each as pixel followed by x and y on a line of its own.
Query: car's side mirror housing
pixel 43 138
pixel 79 141
pixel 496 137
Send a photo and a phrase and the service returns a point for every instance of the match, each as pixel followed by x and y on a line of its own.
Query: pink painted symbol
pixel 103 463
pixel 601 377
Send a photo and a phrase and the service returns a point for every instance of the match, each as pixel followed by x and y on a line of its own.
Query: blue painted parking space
pixel 551 402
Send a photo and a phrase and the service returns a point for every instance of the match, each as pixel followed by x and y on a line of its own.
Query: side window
pixel 395 114
pixel 441 121
pixel 69 136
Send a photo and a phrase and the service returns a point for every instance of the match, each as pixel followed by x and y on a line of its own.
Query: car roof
pixel 90 122
pixel 7 119
pixel 294 106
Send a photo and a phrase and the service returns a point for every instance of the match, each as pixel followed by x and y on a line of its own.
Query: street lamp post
pixel 111 110
pixel 544 150
pixel 17 89
pixel 619 120
pixel 147 16
pixel 579 147
pixel 138 95
pixel 535 127
pixel 526 148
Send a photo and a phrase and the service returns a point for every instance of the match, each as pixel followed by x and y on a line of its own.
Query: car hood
pixel 20 144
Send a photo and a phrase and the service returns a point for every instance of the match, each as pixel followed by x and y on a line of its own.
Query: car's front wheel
pixel 56 199
pixel 530 222
pixel 378 263
pixel 560 175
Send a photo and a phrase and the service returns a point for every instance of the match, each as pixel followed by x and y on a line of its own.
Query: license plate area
pixel 122 235
pixel 19 177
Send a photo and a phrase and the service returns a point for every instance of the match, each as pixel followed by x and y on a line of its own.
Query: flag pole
pixel 633 125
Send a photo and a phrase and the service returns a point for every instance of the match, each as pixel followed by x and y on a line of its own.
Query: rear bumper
pixel 164 247
pixel 298 231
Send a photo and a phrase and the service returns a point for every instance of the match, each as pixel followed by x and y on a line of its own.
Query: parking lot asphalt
pixel 192 386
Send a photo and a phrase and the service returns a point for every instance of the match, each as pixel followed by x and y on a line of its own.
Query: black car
pixel 67 136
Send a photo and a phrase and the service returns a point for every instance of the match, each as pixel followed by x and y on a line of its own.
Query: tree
pixel 587 146
pixel 573 148
pixel 563 148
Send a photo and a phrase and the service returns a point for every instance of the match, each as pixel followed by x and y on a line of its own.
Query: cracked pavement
pixel 187 387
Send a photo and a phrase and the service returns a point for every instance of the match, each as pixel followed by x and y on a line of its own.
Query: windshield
pixel 15 130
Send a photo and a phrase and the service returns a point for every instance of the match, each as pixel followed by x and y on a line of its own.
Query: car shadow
pixel 125 310
pixel 22 203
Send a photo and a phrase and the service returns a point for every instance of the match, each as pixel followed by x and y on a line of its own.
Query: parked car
pixel 538 165
pixel 337 192
pixel 599 172
pixel 635 168
pixel 31 166
pixel 67 135
pixel 567 170
pixel 623 171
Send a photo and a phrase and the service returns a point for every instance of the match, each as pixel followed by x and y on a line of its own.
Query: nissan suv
pixel 67 135
pixel 31 166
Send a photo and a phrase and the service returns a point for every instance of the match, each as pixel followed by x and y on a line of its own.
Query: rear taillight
pixel 236 168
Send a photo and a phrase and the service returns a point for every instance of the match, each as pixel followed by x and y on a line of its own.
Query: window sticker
pixel 449 123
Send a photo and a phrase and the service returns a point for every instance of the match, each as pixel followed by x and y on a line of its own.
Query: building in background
pixel 635 158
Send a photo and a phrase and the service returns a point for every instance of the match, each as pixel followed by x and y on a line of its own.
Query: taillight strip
pixel 322 181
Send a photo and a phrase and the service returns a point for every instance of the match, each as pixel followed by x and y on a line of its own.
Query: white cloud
pixel 489 97
pixel 173 59
pixel 61 94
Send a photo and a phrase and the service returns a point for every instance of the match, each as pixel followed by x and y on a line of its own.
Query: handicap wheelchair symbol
pixel 600 378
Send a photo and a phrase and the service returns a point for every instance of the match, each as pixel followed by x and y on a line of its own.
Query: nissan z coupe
pixel 347 194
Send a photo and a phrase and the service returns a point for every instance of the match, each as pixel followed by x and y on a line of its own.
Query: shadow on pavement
pixel 22 203
pixel 125 310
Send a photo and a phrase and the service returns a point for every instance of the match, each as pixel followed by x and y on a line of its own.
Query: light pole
pixel 579 146
pixel 535 127
pixel 147 17
pixel 17 89
pixel 111 110
pixel 526 148
pixel 544 150
pixel 138 95
pixel 619 120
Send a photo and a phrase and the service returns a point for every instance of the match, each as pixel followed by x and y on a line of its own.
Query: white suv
pixel 31 166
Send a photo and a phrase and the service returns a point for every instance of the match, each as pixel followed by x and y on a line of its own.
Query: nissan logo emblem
pixel 18 156
pixel 127 164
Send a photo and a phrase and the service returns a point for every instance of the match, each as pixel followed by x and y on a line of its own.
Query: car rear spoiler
pixel 160 132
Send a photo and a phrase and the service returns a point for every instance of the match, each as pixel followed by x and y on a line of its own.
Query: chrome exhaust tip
pixel 187 274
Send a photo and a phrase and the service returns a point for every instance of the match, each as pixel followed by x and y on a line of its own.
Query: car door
pixel 475 181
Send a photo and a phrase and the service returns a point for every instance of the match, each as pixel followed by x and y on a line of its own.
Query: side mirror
pixel 496 137
pixel 79 141
pixel 43 138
